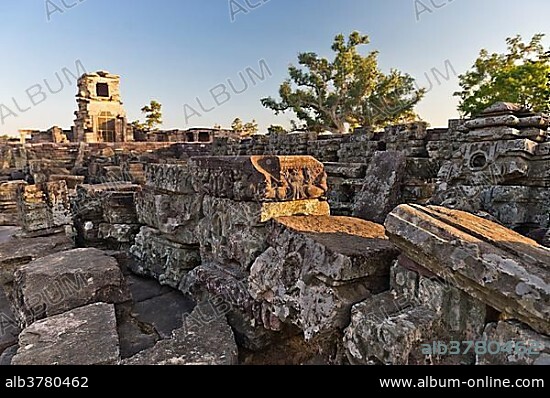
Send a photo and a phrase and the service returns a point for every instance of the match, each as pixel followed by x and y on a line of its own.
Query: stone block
pixel 63 281
pixel 316 268
pixel 160 258
pixel 173 214
pixel 382 187
pixel 260 178
pixel 205 339
pixel 82 336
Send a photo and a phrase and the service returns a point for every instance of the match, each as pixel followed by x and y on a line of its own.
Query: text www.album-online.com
pixel 487 382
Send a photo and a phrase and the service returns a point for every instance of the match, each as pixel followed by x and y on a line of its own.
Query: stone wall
pixel 346 158
pixel 496 164
pixel 441 164
pixel 107 162
pixel 105 215
pixel 500 166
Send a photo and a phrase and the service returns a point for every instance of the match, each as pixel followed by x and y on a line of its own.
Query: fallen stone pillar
pixel 489 262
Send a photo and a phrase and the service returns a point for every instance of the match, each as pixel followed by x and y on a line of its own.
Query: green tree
pixel 250 128
pixel 520 76
pixel 137 125
pixel 153 117
pixel 276 129
pixel 244 129
pixel 351 89
pixel 237 126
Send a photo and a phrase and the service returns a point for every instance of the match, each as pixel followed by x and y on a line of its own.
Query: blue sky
pixel 176 51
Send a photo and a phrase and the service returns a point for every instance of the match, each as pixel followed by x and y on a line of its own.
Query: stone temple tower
pixel 100 116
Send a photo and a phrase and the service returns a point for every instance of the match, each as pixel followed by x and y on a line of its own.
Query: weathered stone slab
pixel 119 208
pixel 83 336
pixel 232 232
pixel 44 206
pixel 515 206
pixel 174 214
pixel 491 263
pixel 537 121
pixel 535 133
pixel 91 200
pixel 502 108
pixel 346 170
pixel 205 339
pixel 382 187
pixel 170 178
pixel 380 333
pixel 416 131
pixel 20 251
pixel 162 259
pixel 520 345
pixel 71 180
pixel 505 120
pixel 308 207
pixel 9 328
pixel 504 133
pixel 316 268
pixel 260 178
pixel 116 186
pixel 60 282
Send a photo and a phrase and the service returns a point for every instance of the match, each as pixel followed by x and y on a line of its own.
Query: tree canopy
pixel 521 76
pixel 153 116
pixel 350 89
pixel 276 129
pixel 244 129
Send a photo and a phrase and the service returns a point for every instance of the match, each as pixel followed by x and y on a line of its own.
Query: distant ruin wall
pixel 510 183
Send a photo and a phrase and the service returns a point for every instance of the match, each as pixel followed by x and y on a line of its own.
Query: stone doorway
pixel 106 127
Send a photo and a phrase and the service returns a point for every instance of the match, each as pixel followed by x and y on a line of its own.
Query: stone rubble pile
pixel 460 278
pixel 251 255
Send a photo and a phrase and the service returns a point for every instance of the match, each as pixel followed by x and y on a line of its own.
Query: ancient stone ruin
pixel 301 248
pixel 100 116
